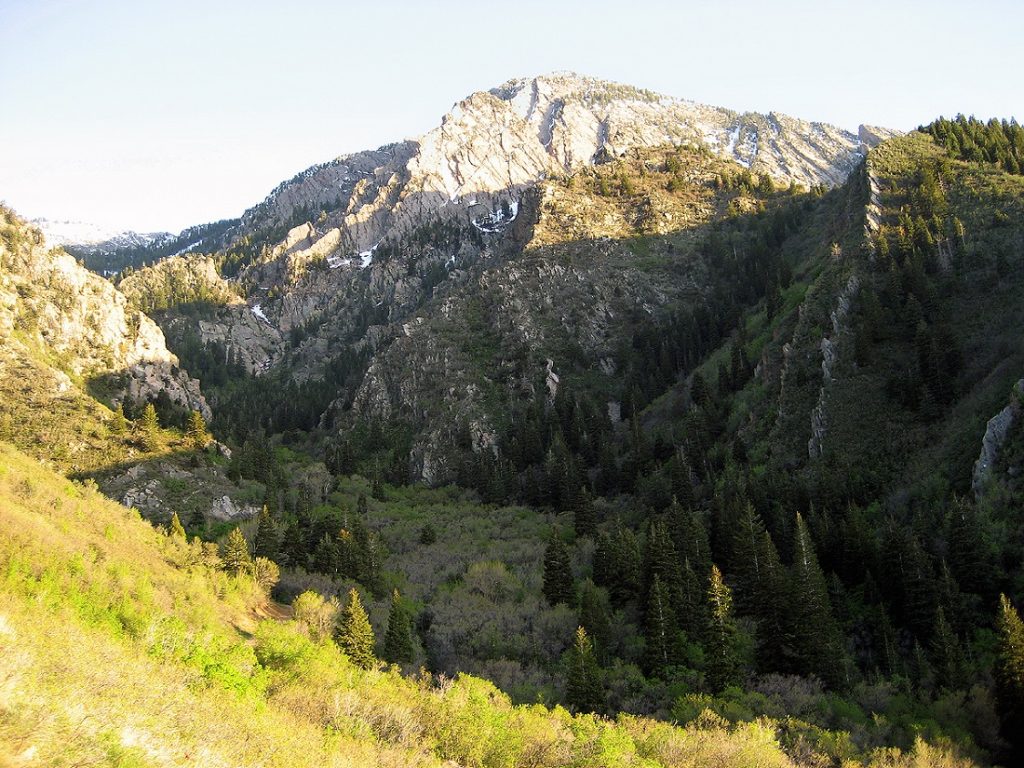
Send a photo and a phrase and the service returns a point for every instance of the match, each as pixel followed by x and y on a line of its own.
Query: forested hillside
pixel 744 424
pixel 654 461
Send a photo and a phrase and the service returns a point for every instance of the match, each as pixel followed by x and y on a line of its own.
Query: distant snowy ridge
pixel 93 237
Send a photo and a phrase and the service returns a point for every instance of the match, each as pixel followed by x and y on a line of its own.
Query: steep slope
pixel 307 252
pixel 122 645
pixel 51 305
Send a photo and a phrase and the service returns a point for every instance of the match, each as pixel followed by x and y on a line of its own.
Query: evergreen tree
pixel 326 556
pixel 660 630
pixel 1009 674
pixel 293 545
pixel 773 642
pixel 119 424
pixel 692 602
pixel 235 553
pixel 196 434
pixel 176 528
pixel 398 647
pixel 814 632
pixel 947 656
pixel 584 514
pixel 149 428
pixel 661 560
pixel 558 582
pixel 583 687
pixel 595 617
pixel 722 661
pixel 747 560
pixel 354 634
pixel 267 540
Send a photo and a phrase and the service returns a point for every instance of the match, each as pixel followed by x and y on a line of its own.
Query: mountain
pixel 79 324
pixel 108 252
pixel 587 397
pixel 317 259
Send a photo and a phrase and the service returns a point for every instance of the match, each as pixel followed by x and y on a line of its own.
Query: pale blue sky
pixel 157 115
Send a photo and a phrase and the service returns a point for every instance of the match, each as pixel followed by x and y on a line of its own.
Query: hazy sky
pixel 158 115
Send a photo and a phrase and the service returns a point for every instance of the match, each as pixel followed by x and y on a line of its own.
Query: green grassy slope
pixel 120 645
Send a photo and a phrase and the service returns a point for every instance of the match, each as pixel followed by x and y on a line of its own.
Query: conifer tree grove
pixel 354 634
pixel 398 647
pixel 583 687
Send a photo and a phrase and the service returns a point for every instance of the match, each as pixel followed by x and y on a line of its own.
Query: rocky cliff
pixel 56 309
pixel 320 249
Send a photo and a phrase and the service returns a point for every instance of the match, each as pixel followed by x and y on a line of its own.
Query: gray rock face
pixel 87 323
pixel 829 358
pixel 477 169
pixel 495 143
pixel 996 430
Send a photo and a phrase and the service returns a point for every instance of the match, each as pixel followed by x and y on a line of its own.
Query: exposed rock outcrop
pixel 996 431
pixel 86 324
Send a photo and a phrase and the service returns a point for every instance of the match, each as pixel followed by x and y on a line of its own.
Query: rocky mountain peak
pixel 496 143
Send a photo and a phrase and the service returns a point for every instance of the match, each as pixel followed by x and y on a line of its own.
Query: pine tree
pixel 660 629
pixel 176 528
pixel 196 434
pixel 947 655
pixel 722 662
pixel 584 514
pixel 267 539
pixel 235 553
pixel 661 560
pixel 558 582
pixel 398 648
pixel 814 632
pixel 354 634
pixel 293 545
pixel 149 428
pixel 746 566
pixel 583 687
pixel 119 424
pixel 1009 674
pixel 594 616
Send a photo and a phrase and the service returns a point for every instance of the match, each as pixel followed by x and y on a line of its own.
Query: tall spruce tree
pixel 773 642
pixel 1009 675
pixel 661 560
pixel 813 628
pixel 267 539
pixel 398 647
pixel 660 630
pixel 947 655
pixel 354 634
pixel 720 640
pixel 558 582
pixel 584 514
pixel 583 684
pixel 149 428
pixel 595 617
